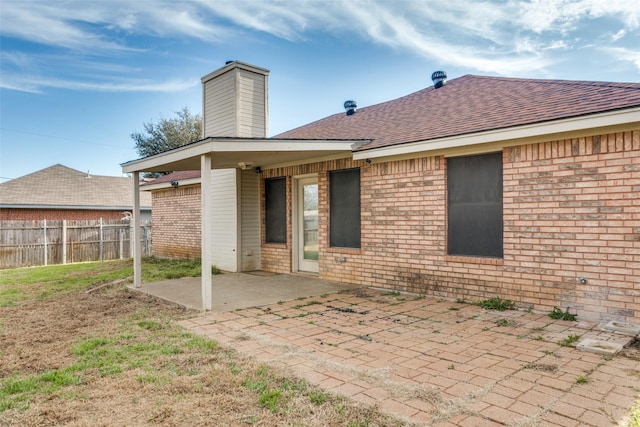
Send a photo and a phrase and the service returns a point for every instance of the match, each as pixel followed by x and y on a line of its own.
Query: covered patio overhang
pixel 224 153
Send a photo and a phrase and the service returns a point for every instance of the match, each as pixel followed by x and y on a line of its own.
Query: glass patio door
pixel 307 225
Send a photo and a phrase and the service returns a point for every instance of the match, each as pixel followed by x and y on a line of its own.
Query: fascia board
pixel 164 185
pixel 213 145
pixel 518 133
pixel 174 155
pixel 280 145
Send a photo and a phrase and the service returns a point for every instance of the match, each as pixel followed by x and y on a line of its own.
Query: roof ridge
pixel 631 85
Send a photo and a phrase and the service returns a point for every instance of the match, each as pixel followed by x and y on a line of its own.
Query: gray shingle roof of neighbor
pixel 471 104
pixel 61 186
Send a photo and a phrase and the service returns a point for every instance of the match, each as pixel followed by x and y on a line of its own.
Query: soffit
pixel 228 153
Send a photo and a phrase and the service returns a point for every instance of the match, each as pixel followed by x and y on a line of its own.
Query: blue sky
pixel 77 77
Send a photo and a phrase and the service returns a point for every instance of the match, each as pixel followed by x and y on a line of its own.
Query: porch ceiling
pixel 232 152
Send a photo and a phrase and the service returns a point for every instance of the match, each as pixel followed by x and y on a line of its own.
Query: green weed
pixel 391 294
pixel 569 341
pixel 582 380
pixel 634 419
pixel 150 325
pixel 558 314
pixel 200 344
pixel 270 400
pixel 498 304
pixel 317 397
pixel 506 322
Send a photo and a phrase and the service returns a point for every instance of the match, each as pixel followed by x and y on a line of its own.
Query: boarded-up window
pixel 275 206
pixel 474 187
pixel 344 208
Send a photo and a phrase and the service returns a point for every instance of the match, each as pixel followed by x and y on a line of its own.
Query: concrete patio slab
pixel 232 291
pixel 600 347
pixel 437 362
pixel 622 328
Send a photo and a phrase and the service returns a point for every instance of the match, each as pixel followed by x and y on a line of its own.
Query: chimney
pixel 235 101
pixel 439 79
pixel 350 107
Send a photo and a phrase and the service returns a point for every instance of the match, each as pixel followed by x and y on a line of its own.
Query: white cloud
pixel 46 24
pixel 90 26
pixel 563 15
pixel 39 84
pixel 625 55
pixel 617 36
pixel 505 37
pixel 286 20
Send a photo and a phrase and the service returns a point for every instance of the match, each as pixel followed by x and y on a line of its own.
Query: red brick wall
pixel 56 214
pixel 571 210
pixel 176 222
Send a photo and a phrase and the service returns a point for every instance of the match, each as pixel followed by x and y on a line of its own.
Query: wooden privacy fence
pixel 29 243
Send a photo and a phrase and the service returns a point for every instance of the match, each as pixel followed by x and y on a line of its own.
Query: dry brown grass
pixel 158 374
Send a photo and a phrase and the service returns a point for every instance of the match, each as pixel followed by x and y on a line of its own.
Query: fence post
pixel 145 234
pixel 45 241
pixel 101 242
pixel 121 241
pixel 64 241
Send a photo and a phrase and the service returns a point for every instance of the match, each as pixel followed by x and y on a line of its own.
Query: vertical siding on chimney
pixel 235 102
pixel 252 105
pixel 219 106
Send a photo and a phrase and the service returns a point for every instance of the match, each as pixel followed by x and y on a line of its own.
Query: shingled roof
pixel 471 104
pixel 174 176
pixel 59 186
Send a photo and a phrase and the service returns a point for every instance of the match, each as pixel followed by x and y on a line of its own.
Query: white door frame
pixel 299 263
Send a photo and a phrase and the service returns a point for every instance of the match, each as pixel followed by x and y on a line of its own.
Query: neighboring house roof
pixel 174 176
pixel 61 187
pixel 172 179
pixel 471 104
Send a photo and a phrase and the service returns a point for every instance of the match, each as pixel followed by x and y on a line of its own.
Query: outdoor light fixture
pixel 258 169
pixel 368 161
pixel 174 184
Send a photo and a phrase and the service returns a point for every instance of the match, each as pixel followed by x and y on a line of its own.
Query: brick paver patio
pixel 437 362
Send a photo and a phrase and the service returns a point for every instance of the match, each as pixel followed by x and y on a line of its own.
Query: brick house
pixel 175 199
pixel 471 188
pixel 61 193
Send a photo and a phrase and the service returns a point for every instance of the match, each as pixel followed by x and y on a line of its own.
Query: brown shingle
pixel 59 185
pixel 470 104
pixel 174 176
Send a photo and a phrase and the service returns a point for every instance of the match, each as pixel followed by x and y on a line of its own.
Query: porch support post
pixel 135 233
pixel 206 246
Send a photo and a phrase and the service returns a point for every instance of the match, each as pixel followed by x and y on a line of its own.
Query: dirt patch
pixel 182 387
pixel 632 350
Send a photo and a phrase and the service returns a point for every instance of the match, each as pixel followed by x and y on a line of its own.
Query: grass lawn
pixel 77 347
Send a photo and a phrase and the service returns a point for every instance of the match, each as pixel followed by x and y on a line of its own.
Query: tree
pixel 167 134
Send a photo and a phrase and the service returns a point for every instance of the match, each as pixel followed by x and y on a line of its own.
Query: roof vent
pixel 350 107
pixel 439 79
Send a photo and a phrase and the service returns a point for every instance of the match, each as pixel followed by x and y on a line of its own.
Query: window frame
pixel 348 237
pixel 475 217
pixel 278 236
